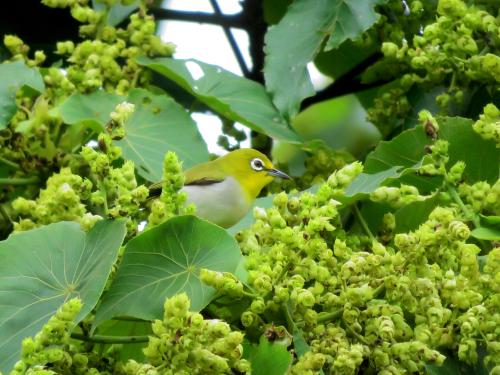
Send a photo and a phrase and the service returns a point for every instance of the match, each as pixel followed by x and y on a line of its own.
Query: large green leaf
pixel 231 96
pixel 42 268
pixel 92 110
pixel 14 76
pixel 350 19
pixel 297 38
pixel 408 148
pixel 157 125
pixel 164 261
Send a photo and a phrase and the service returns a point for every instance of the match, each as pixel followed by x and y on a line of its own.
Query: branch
pixel 231 39
pixel 348 83
pixel 235 20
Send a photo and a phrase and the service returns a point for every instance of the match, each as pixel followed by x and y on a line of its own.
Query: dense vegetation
pixel 381 256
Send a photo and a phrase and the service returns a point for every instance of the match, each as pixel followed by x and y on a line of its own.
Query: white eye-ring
pixel 257 164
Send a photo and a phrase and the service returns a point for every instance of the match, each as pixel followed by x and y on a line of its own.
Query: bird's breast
pixel 223 203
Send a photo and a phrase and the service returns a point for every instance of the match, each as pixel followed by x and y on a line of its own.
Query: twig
pixel 362 221
pixel 103 339
pixel 9 163
pixel 231 39
pixel 19 181
pixel 235 21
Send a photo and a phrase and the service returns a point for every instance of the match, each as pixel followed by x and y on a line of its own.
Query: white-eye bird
pixel 224 189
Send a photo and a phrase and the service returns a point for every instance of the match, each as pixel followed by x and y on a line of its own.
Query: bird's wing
pixel 193 176
pixel 197 175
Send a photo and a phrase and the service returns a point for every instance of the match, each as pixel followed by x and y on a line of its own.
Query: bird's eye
pixel 257 164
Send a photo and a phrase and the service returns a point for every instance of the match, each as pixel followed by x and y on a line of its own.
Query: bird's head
pixel 251 168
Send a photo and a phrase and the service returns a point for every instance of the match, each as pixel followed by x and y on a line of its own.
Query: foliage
pixel 381 260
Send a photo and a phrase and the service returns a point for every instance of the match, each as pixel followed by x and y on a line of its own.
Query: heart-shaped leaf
pixel 42 268
pixel 408 148
pixel 231 96
pixel 92 109
pixel 157 125
pixel 13 76
pixel 164 261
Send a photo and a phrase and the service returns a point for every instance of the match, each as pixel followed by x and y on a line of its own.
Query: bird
pixel 224 189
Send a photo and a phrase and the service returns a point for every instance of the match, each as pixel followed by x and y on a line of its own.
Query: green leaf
pixel 297 38
pixel 485 233
pixel 92 110
pixel 408 148
pixel 42 268
pixel 481 157
pixel 365 184
pixel 299 343
pixel 165 261
pixel 405 150
pixel 491 220
pixel 409 217
pixel 14 76
pixel 269 358
pixel 453 366
pixel 231 96
pixel 158 125
pixel 351 18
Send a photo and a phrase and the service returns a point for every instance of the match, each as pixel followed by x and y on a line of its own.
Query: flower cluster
pixel 110 190
pixel 458 49
pixel 186 343
pixel 172 200
pixel 488 125
pixel 98 61
pixel 358 301
pixel 48 353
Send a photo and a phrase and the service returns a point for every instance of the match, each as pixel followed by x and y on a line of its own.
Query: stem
pixel 357 335
pixel 5 214
pixel 288 317
pixel 9 163
pixel 468 214
pixel 362 221
pixel 131 319
pixel 379 290
pixel 19 181
pixel 103 339
pixel 329 316
pixel 105 197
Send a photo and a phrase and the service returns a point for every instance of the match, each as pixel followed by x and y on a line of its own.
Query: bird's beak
pixel 277 173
